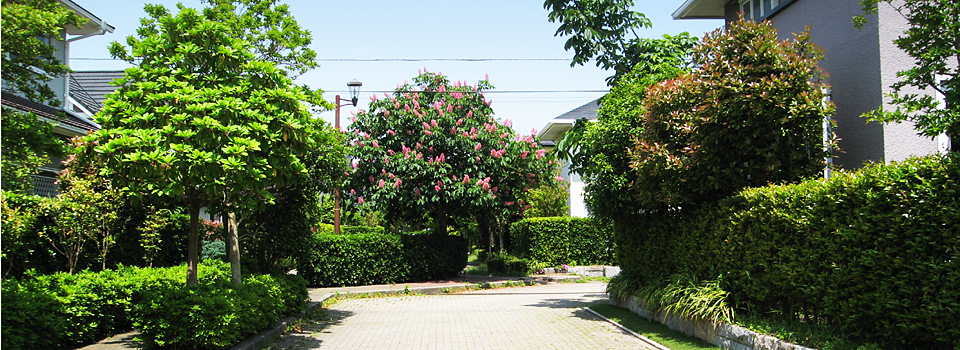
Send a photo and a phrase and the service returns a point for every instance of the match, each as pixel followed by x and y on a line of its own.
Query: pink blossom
pixel 416 191
pixel 391 132
pixel 405 106
pixel 383 171
pixel 396 184
pixel 466 179
pixel 391 175
pixel 459 121
pixel 470 114
pixel 360 200
pixel 540 152
pixel 478 147
pixel 494 190
pixel 433 122
pixel 375 144
pixel 486 186
pixel 418 146
pixel 416 103
pixel 419 156
pixel 449 108
pixel 354 165
pixel 386 113
pixel 486 77
pixel 428 132
pixel 504 135
pixel 380 183
pixel 531 175
pixel 353 191
pixel 397 105
pixel 443 88
pixel 353 119
pixel 508 123
pixel 373 97
pixel 441 158
pixel 508 203
pixel 524 154
pixel 437 188
pixel 390 151
pixel 465 134
pixel 558 178
pixel 346 173
pixel 453 131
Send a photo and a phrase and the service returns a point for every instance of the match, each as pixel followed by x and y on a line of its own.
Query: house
pixel 553 133
pixel 69 118
pixel 862 64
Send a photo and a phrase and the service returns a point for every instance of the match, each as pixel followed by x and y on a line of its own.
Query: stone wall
pixel 725 336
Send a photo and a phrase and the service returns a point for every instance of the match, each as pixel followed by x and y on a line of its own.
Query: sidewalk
pixel 318 295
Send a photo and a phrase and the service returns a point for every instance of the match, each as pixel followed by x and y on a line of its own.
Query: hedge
pixel 873 253
pixel 371 258
pixel 66 311
pixel 563 240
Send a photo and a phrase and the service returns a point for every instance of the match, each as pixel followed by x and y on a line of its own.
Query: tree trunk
pixel 490 245
pixel 441 220
pixel 193 241
pixel 233 244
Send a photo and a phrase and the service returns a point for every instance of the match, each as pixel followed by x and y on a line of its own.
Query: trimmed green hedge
pixel 563 240
pixel 350 230
pixel 373 258
pixel 873 253
pixel 65 311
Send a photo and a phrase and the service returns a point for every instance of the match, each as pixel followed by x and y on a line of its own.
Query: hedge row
pixel 873 253
pixel 66 311
pixel 563 240
pixel 364 259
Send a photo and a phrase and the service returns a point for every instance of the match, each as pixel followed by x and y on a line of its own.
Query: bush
pixel 373 258
pixel 873 254
pixel 509 264
pixel 63 311
pixel 563 240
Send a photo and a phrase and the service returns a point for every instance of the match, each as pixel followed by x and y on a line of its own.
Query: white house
pixel 552 133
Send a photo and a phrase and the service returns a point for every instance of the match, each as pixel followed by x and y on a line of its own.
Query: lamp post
pixel 354 87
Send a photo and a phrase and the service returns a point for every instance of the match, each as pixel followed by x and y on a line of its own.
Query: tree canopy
pixel 750 114
pixel 201 119
pixel 434 149
pixel 933 40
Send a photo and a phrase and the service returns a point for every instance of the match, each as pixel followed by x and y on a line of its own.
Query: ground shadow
pixel 577 300
pixel 303 334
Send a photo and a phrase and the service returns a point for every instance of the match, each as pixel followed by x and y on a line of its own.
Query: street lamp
pixel 354 86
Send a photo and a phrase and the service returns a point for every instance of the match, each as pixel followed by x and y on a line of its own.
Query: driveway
pixel 536 317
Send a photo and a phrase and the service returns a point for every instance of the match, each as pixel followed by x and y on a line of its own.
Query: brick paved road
pixel 537 317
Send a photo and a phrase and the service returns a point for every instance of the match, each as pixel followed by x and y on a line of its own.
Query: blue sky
pixel 426 29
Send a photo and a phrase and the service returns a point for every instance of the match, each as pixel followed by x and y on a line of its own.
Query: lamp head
pixel 354 86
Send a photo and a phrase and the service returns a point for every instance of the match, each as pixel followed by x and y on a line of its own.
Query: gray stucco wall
pixel 861 65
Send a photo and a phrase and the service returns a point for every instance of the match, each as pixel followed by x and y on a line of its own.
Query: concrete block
pixel 577 270
pixel 611 271
pixel 738 334
pixel 593 271
pixel 549 270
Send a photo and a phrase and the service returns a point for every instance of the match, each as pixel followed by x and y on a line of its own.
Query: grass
pixel 675 340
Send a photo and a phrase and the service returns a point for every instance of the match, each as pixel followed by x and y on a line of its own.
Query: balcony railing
pixel 45 186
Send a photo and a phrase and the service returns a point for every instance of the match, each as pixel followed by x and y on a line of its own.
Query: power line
pixel 484 91
pixel 385 59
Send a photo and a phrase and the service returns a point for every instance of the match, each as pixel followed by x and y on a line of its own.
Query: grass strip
pixel 675 340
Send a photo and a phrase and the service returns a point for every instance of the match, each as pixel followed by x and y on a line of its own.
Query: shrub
pixel 872 254
pixel 563 240
pixel 65 311
pixel 373 258
pixel 509 264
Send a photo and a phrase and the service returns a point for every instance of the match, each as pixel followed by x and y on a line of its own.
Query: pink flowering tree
pixel 433 149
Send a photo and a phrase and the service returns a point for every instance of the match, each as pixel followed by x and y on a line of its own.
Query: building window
pixel 758 10
pixel 746 7
pixel 774 4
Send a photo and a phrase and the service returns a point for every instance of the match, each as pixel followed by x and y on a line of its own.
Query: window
pixel 746 7
pixel 758 9
pixel 774 4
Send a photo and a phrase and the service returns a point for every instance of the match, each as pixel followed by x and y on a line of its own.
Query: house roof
pixel 94 25
pixel 559 125
pixel 90 88
pixel 700 9
pixel 70 121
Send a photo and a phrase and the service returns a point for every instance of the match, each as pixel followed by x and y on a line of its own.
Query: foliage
pixel 872 254
pixel 18 221
pixel 216 250
pixel 66 311
pixel 751 114
pixel 270 29
pixel 563 240
pixel 549 199
pixel 502 263
pixel 28 143
pixel 434 149
pixel 599 30
pixel 28 62
pixel 151 238
pixel 601 159
pixel 200 119
pixel 374 258
pixel 933 41
pixel 686 295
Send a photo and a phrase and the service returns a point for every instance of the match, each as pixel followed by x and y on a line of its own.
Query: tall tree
pixel 199 115
pixel 434 148
pixel 749 115
pixel 600 30
pixel 933 40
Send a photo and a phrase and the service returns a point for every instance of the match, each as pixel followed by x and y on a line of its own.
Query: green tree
pixel 549 199
pixel 601 30
pixel 749 115
pixel 85 212
pixel 434 148
pixel 933 40
pixel 200 119
pixel 28 143
pixel 28 62
pixel 601 158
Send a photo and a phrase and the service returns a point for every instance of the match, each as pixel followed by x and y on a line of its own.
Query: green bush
pixel 873 254
pixel 216 250
pixel 63 311
pixel 350 230
pixel 563 240
pixel 509 264
pixel 374 258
